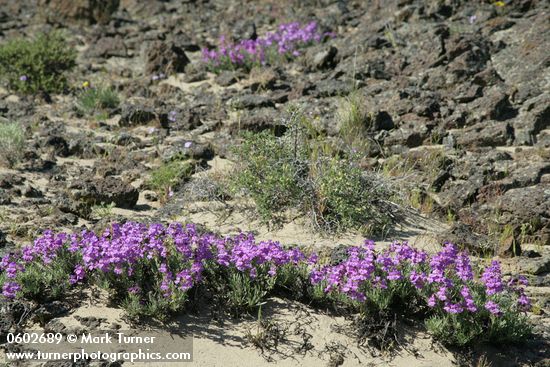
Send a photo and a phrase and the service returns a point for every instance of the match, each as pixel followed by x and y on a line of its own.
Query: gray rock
pixel 161 57
pixel 5 197
pixel 59 145
pixel 75 207
pixel 457 193
pixel 32 192
pixel 226 78
pixel 493 105
pixel 534 117
pixel 528 205
pixel 178 150
pixel 107 47
pixel 528 41
pixel 381 120
pixel 251 101
pixel 132 115
pixel 50 310
pixel 78 11
pixel 104 191
pixel 490 133
pixel 463 236
pixel 322 59
pixel 411 133
pixel 534 266
pixel 259 120
pixel 331 88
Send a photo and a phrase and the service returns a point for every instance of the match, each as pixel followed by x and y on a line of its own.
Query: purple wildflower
pixel 492 278
pixel 10 289
pixel 493 308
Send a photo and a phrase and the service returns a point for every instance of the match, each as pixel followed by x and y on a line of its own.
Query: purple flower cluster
pixel 286 41
pixel 175 258
pixel 180 252
pixel 445 279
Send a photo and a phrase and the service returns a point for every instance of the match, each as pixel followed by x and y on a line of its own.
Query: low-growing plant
pixel 285 43
pixel 156 270
pixel 103 210
pixel 460 308
pixel 271 172
pixel 32 65
pixel 95 100
pixel 12 143
pixel 164 178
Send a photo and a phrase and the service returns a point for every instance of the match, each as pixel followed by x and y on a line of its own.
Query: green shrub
pixel 48 281
pixel 345 199
pixel 37 65
pixel 300 170
pixel 12 143
pixel 270 173
pixel 96 100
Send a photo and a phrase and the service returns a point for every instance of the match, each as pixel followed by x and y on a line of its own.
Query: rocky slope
pixel 459 92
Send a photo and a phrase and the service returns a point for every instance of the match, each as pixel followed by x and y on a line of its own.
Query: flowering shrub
pixel 150 268
pixel 155 269
pixel 462 308
pixel 284 43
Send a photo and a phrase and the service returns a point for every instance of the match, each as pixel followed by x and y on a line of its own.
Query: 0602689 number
pixel 34 338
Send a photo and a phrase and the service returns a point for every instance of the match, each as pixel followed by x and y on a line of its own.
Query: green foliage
pixel 154 306
pixel 103 210
pixel 42 62
pixel 512 327
pixel 97 100
pixel 454 329
pixel 466 328
pixel 300 170
pixel 354 120
pixel 168 175
pixel 270 173
pixel 237 292
pixel 47 281
pixel 150 299
pixel 345 198
pixel 12 143
pixel 245 293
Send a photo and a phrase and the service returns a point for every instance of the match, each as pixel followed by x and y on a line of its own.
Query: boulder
pixel 162 57
pixel 104 191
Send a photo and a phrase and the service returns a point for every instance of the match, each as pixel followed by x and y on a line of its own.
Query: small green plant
pixel 103 210
pixel 345 198
pixel 168 175
pixel 267 335
pixel 12 143
pixel 236 292
pixel 32 65
pixel 97 101
pixel 354 120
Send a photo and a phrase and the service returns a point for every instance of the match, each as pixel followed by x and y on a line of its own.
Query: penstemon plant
pixel 155 270
pixel 283 44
